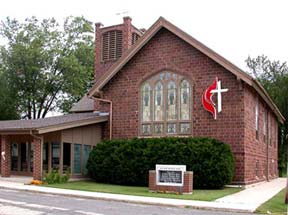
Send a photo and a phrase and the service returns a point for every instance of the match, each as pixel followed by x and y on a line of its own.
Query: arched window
pixel 165 105
pixel 158 102
pixel 146 103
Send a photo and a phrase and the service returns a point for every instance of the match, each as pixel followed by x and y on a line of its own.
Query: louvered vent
pixel 135 37
pixel 111 45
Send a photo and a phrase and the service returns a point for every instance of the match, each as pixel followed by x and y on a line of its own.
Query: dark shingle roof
pixel 34 124
pixel 85 104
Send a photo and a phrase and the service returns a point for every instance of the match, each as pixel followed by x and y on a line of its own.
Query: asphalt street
pixel 25 203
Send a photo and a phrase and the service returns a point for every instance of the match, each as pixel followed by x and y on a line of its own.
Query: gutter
pixel 110 114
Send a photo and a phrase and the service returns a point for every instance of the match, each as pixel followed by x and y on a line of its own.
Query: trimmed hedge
pixel 127 162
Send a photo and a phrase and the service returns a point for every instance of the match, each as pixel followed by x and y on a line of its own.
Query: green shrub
pixel 128 162
pixel 54 177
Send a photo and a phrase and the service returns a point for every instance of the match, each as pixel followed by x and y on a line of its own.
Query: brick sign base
pixel 187 187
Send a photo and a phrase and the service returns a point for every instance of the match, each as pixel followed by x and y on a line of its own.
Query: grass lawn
pixel 276 205
pixel 204 195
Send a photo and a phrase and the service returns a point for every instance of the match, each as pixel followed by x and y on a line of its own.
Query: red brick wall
pixel 5 164
pixel 166 52
pixel 37 159
pixel 127 28
pixel 256 149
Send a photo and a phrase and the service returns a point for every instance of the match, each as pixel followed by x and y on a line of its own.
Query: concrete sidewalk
pixel 245 201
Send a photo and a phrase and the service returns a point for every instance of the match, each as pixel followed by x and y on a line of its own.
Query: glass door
pixel 77 159
pixel 24 157
pixel 14 157
pixel 86 152
pixel 55 155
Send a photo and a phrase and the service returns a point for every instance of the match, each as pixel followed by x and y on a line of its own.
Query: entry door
pixel 77 159
pixel 14 157
pixel 66 156
pixel 22 158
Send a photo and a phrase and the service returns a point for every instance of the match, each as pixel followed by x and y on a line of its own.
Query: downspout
pixel 267 147
pixel 110 114
pixel 267 160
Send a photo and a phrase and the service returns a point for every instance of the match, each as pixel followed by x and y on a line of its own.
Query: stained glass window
pixel 165 105
pixel 146 129
pixel 184 100
pixel 158 102
pixel 171 128
pixel 158 128
pixel 171 101
pixel 184 128
pixel 146 101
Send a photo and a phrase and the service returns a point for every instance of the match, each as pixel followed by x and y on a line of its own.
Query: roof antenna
pixel 123 13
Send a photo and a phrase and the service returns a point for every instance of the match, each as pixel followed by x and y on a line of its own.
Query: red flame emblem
pixel 207 101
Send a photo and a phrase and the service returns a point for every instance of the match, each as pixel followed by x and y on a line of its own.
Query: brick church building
pixel 152 83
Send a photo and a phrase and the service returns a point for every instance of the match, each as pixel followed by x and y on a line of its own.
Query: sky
pixel 234 29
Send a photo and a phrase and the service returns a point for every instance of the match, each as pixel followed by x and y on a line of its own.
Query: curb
pixel 129 201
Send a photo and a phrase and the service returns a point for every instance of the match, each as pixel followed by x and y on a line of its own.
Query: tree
pixel 8 105
pixel 48 65
pixel 273 75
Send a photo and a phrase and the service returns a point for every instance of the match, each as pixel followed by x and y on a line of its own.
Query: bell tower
pixel 111 43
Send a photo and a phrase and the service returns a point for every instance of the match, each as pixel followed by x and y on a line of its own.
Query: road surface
pixel 25 203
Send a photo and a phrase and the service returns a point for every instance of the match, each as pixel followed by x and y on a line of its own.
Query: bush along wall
pixel 127 162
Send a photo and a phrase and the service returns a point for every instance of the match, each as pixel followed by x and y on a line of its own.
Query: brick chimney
pixel 127 33
pixel 97 51
pixel 117 40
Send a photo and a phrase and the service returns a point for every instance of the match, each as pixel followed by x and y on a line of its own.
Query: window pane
pixel 185 128
pixel 171 128
pixel 256 114
pixel 77 159
pixel 24 156
pixel 55 155
pixel 45 156
pixel 171 101
pixel 146 129
pixel 14 156
pixel 185 100
pixel 158 102
pixel 158 128
pixel 86 152
pixel 146 101
pixel 31 156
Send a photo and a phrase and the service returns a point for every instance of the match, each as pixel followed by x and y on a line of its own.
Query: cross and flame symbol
pixel 207 100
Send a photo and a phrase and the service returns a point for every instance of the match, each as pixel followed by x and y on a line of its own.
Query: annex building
pixel 152 83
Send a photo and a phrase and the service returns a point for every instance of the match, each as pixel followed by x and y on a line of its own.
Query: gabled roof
pixel 163 23
pixel 50 124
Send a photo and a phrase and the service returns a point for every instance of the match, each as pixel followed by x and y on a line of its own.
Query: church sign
pixel 207 100
pixel 170 175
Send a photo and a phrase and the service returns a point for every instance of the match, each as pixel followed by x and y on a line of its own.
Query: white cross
pixel 219 97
